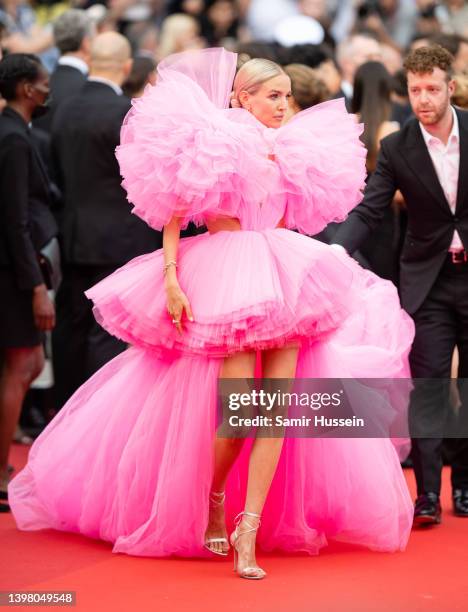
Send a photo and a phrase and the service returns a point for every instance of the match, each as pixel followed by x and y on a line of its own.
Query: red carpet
pixel 431 575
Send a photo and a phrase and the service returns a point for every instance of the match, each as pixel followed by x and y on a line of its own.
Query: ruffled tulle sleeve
pixel 180 154
pixel 323 166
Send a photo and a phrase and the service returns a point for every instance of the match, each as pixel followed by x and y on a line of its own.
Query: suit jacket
pixel 97 225
pixel 404 163
pixel 42 143
pixel 65 81
pixel 26 223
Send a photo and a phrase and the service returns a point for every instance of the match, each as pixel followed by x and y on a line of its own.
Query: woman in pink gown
pixel 133 456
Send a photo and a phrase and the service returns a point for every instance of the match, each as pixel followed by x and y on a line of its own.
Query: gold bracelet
pixel 168 265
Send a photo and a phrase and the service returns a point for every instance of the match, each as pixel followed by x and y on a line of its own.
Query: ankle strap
pixel 217 498
pixel 238 518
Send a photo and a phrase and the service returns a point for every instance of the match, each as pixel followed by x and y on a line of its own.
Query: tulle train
pixel 129 460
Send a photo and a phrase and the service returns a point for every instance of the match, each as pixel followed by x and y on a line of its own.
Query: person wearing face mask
pixel 26 226
pixel 134 456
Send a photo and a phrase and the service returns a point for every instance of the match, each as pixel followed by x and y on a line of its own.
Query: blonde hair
pixel 251 77
pixel 307 89
pixel 173 28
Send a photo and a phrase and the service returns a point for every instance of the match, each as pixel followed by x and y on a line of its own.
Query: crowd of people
pixel 67 78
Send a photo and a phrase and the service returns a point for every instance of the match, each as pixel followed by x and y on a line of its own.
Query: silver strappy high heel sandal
pixel 250 572
pixel 217 499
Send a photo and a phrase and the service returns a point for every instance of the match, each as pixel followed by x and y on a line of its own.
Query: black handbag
pixel 50 264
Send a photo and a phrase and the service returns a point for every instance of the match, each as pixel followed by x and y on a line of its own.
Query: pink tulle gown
pixel 129 459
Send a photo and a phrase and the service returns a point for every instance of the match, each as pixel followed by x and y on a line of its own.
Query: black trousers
pixel 441 324
pixel 79 344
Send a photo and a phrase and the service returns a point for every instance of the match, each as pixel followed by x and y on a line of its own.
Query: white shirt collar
pixel 74 62
pixel 115 87
pixel 347 89
pixel 454 134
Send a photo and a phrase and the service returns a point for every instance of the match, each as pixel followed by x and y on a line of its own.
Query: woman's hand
pixel 43 309
pixel 177 302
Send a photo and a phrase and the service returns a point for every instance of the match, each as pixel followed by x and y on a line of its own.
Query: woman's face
pixel 270 104
pixel 222 14
pixel 193 7
pixel 39 91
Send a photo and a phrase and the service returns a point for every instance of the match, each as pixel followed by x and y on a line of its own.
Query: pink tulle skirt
pixel 129 459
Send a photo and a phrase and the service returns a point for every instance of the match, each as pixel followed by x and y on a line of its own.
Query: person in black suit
pixel 427 161
pixel 99 233
pixel 26 225
pixel 73 33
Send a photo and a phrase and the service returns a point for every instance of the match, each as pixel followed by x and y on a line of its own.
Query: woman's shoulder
pixel 322 165
pixel 12 137
pixel 189 158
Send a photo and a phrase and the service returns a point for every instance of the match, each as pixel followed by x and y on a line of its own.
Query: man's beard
pixel 436 116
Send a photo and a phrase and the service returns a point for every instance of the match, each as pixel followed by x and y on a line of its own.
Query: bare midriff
pixel 222 224
pixel 228 224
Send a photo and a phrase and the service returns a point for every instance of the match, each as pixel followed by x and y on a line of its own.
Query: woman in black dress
pixel 26 226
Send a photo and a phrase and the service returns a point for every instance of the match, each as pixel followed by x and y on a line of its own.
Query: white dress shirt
pixel 446 160
pixel 74 62
pixel 348 89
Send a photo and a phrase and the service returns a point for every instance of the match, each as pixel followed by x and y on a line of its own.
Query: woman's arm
pixel 14 195
pixel 177 301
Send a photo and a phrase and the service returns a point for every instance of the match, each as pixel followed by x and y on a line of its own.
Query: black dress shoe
pixel 427 510
pixel 460 502
pixel 4 508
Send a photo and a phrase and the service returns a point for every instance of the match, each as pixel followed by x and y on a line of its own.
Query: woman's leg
pixel 20 367
pixel 277 363
pixel 226 451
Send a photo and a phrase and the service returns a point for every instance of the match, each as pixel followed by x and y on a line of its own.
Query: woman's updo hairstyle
pixel 17 67
pixel 251 76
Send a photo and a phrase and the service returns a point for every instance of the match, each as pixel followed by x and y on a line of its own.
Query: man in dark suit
pixel 99 232
pixel 73 33
pixel 427 161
